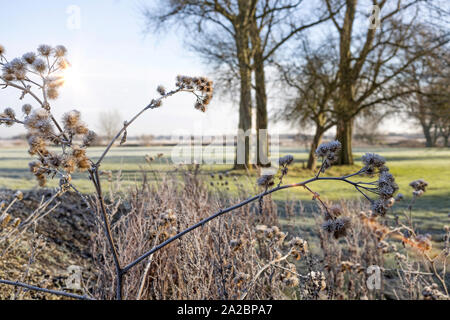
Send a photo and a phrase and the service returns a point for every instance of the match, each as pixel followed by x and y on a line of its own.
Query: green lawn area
pixel 433 165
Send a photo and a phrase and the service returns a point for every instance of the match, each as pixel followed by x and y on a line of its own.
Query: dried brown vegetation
pixel 178 240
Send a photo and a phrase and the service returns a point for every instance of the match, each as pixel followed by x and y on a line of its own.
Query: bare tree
pixel 428 105
pixel 226 25
pixel 372 57
pixel 237 38
pixel 109 123
pixel 314 84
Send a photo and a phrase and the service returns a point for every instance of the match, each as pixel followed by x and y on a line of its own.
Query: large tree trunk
pixel 262 149
pixel 242 159
pixel 317 139
pixel 344 131
pixel 426 128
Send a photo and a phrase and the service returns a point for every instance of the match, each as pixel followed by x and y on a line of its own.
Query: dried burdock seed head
pixel 34 166
pixel 37 145
pixel 20 75
pixel 16 222
pixel 89 138
pixel 286 160
pixel 9 77
pixel 18 64
pixel 2 50
pixel 379 207
pixel 390 202
pixel 69 164
pixel 78 152
pixel 18 195
pixel 328 226
pixel 386 185
pixel 335 210
pixel 52 93
pixel 29 57
pixel 373 160
pixel 5 219
pixel 328 152
pixel 400 257
pixel 161 90
pixel 265 181
pixel 341 226
pixel 81 129
pixel 156 103
pixel 200 84
pixel 39 65
pixel 399 197
pixel 26 109
pixel 36 116
pixel 326 148
pixel 9 113
pixel 299 244
pixel 338 226
pixel 71 119
pixel 60 51
pixel 260 230
pixel 44 127
pixel 269 233
pixel 8 68
pixel 432 292
pixel 419 185
pixel 423 242
pixel 44 50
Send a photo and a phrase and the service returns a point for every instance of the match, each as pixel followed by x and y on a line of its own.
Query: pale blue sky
pixel 118 67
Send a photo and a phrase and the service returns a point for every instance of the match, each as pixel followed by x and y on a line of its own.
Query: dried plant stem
pixel 107 228
pixel 35 288
pixel 271 263
pixel 152 105
pixel 223 211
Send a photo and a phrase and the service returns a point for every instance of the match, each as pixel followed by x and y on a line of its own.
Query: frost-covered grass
pixel 432 165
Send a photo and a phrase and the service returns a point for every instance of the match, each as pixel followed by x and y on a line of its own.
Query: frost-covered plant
pixel 43 70
pixel 384 187
pixel 40 75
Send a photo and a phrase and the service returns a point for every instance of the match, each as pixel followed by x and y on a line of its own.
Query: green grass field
pixel 433 165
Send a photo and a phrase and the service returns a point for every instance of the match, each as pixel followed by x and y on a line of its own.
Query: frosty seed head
pixel 265 181
pixel 29 57
pixel 18 64
pixel 60 51
pixel 286 160
pixel 328 152
pixel 39 65
pixel 419 185
pixel 161 90
pixel 44 50
pixel 26 109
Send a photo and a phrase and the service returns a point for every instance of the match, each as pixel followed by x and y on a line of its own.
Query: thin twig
pixel 34 288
